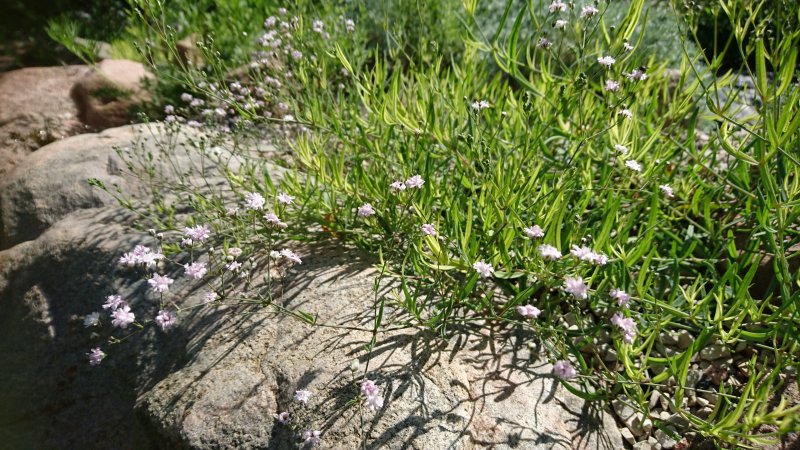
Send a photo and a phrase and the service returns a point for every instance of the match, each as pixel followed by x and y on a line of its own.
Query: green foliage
pixel 553 146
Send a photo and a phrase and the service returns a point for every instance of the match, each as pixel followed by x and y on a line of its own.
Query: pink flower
pixel 557 6
pixel 272 219
pixel 564 370
pixel 365 210
pixel 415 182
pixel 140 255
pixel 369 390
pixel 626 325
pixel 374 402
pixel 528 311
pixel 588 11
pixel 584 253
pixel 483 268
pixel 428 229
pixel 233 266
pixel 283 417
pixel 368 387
pixel 291 256
pixel 254 200
pixel 534 232
pixel 195 270
pixel 606 61
pixel 576 287
pixel 286 199
pixel 636 75
pixel 166 319
pixel 209 297
pixel 95 356
pixel 160 283
pixel 611 85
pixel 397 186
pixel 122 317
pixel 302 396
pixel 114 302
pixel 621 296
pixel 667 190
pixel 197 233
pixel 311 438
pixel 549 252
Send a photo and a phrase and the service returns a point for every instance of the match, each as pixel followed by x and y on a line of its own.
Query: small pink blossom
pixel 140 255
pixel 483 268
pixel 397 186
pixel 209 297
pixel 166 319
pixel 606 61
pixel 122 317
pixel 95 356
pixel 549 252
pixel 636 75
pixel 114 301
pixel 621 296
pixel 254 200
pixel 369 390
pixel 233 266
pixel 576 287
pixel 366 210
pixel 528 311
pixel 311 438
pixel 291 256
pixel 626 113
pixel 283 417
pixel 564 370
pixel 195 270
pixel 557 6
pixel 286 199
pixel 160 283
pixel 626 325
pixel 588 11
pixel 611 85
pixel 197 233
pixel 667 190
pixel 428 229
pixel 302 396
pixel 533 232
pixel 415 182
pixel 273 219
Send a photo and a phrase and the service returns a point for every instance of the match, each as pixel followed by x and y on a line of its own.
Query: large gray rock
pixel 36 109
pixel 477 390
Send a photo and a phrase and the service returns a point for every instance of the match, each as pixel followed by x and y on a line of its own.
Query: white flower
pixel 533 232
pixel 626 113
pixel 627 47
pixel 576 287
pixel 606 61
pixel 621 148
pixel 91 320
pixel 549 252
pixel 302 396
pixel 633 165
pixel 484 269
pixel 667 190
pixel 561 24
pixel 317 26
pixel 397 186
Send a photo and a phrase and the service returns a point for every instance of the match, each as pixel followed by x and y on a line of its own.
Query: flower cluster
pixel 369 391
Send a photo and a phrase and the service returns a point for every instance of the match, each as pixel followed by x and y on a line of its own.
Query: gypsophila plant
pixel 553 177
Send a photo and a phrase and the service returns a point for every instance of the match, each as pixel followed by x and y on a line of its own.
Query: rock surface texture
pixel 36 109
pixel 216 380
